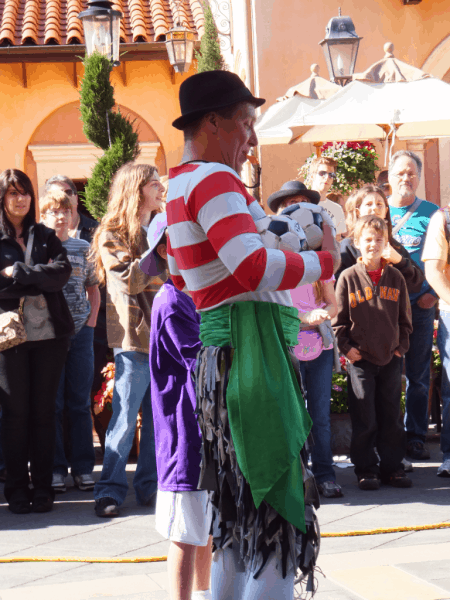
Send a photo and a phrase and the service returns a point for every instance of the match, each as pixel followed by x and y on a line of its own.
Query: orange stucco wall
pixel 286 43
pixel 150 94
pixel 288 35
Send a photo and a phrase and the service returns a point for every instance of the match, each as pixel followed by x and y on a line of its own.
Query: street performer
pixel 253 419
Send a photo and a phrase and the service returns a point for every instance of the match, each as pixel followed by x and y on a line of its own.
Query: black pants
pixel 374 406
pixel 29 378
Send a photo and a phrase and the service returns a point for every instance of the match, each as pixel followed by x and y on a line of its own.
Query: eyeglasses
pixel 64 214
pixel 402 175
pixel 327 174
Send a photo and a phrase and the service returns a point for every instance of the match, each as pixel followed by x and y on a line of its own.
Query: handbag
pixel 12 329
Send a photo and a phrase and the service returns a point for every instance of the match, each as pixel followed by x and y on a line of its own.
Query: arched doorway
pixel 59 146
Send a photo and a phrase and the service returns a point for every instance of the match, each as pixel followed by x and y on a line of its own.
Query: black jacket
pixel 47 274
pixel 412 273
pixel 87 227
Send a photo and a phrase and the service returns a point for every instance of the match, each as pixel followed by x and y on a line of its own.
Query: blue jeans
pixel 443 342
pixel 131 389
pixel 418 360
pixel 74 393
pixel 316 380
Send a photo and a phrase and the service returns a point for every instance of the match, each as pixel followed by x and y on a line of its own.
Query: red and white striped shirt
pixel 215 250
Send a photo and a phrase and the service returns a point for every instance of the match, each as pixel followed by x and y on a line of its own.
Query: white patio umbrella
pixel 273 126
pixel 389 98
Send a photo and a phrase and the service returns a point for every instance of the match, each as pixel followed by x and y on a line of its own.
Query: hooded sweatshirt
pixel 376 320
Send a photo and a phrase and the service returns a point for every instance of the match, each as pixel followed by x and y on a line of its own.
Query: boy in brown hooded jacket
pixel 372 329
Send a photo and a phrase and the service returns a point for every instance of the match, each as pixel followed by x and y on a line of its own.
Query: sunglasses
pixel 323 173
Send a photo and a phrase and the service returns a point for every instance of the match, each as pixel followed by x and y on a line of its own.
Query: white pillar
pixel 444 167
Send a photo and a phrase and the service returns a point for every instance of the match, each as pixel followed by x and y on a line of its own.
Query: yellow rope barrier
pixel 387 530
pixel 19 559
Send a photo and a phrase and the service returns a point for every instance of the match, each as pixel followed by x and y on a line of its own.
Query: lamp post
pixel 101 26
pixel 340 47
pixel 180 44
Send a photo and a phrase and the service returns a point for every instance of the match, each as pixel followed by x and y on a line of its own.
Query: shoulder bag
pixel 409 213
pixel 12 330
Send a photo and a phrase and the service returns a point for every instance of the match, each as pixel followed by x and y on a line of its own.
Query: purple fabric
pixel 174 343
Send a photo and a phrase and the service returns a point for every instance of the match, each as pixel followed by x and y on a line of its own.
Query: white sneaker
pixel 85 483
pixel 407 466
pixel 58 483
pixel 444 469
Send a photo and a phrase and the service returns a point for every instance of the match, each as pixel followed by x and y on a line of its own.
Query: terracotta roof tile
pixel 55 22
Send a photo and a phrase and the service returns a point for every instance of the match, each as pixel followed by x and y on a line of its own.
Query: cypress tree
pixel 209 57
pixel 108 130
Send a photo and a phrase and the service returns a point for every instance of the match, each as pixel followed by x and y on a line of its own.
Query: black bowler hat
pixel 210 91
pixel 289 189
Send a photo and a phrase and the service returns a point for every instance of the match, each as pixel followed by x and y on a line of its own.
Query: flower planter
pixel 341 433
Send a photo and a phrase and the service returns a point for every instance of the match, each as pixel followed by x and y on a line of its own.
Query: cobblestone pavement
pixel 394 566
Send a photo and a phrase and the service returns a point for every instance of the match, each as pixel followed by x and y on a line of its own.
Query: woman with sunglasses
pixel 322 173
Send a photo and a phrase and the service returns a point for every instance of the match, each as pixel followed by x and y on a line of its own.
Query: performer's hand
pixel 353 355
pixel 330 244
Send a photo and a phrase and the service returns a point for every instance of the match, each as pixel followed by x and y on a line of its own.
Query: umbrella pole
pixel 318 147
pixel 390 131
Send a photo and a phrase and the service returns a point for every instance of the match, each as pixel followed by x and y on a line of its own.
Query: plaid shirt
pixel 130 294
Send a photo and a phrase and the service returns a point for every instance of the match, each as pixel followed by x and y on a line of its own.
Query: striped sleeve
pixel 218 205
pixel 175 274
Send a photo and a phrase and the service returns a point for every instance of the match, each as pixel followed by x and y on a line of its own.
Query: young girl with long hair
pixel 135 198
pixel 316 303
pixel 371 200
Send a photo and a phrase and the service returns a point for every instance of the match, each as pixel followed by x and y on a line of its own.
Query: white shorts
pixel 184 516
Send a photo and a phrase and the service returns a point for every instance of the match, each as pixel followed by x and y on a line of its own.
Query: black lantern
pixel 101 25
pixel 340 47
pixel 180 47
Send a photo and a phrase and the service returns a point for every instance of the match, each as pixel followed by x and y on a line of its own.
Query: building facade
pixel 274 42
pixel 41 45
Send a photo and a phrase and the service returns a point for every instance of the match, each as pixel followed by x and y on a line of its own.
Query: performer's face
pixel 237 136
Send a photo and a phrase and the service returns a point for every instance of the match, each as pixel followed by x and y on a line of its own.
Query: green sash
pixel 268 418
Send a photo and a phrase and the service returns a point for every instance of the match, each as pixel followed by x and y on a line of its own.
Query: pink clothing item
pixel 310 343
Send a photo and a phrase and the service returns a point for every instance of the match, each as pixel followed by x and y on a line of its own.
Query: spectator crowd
pixel 213 337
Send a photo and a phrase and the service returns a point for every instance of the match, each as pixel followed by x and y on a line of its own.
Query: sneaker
pixel 444 469
pixel 59 483
pixel 106 507
pixel 85 483
pixel 407 466
pixel 369 481
pixel 42 501
pixel 330 489
pixel 397 479
pixel 417 451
